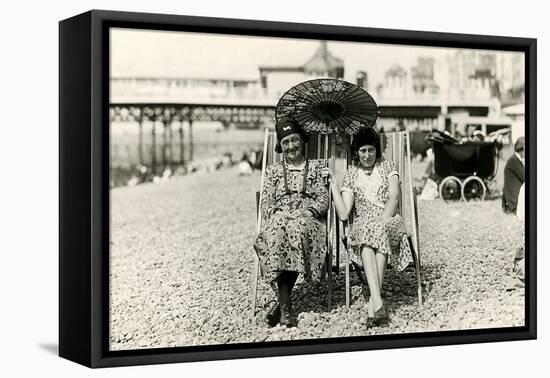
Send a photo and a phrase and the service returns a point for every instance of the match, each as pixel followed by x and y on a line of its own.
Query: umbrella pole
pixel 330 221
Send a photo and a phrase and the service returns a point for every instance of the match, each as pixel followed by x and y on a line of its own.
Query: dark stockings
pixel 285 284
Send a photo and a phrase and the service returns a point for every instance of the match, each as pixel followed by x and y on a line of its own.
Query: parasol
pixel 324 107
pixel 327 106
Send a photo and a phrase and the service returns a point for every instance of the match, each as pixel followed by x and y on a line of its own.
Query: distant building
pixel 362 80
pixel 457 89
pixel 182 89
pixel 276 80
pixel 470 74
pixel 517 114
pixel 396 84
pixel 510 72
pixel 272 82
pixel 422 75
pixel 463 75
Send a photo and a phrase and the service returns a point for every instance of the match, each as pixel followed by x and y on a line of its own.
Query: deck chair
pixel 318 147
pixel 395 147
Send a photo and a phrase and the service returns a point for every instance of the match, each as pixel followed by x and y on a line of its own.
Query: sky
pixel 145 53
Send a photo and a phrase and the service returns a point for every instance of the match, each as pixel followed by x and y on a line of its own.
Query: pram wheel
pixel 450 189
pixel 473 188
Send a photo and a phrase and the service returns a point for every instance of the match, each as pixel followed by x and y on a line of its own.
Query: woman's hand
pixel 300 213
pixel 327 173
pixel 307 214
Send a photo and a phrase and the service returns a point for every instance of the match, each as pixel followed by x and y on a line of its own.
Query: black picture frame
pixel 84 192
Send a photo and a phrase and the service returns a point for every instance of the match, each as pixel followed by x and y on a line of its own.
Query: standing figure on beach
pixel 514 177
pixel 378 235
pixel 292 239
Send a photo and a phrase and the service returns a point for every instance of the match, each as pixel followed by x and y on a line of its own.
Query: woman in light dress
pixel 371 189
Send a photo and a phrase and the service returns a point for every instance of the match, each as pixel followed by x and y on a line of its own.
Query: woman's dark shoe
pixel 287 318
pixel 370 321
pixel 273 315
pixel 380 317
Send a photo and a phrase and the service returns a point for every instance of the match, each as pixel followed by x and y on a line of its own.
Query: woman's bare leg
pixel 381 261
pixel 371 269
pixel 370 308
pixel 381 269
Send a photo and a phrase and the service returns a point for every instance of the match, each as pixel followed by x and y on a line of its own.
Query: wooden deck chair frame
pixel 318 147
pixel 401 156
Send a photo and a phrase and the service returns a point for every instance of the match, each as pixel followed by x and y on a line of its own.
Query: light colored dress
pixel 300 244
pixel 371 193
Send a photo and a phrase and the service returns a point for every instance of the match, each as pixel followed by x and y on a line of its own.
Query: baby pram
pixel 464 168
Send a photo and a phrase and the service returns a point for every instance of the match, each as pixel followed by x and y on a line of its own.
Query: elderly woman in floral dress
pixel 292 239
pixel 378 235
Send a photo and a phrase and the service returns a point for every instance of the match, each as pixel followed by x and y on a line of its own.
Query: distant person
pixel 498 137
pixel 256 157
pixel 470 132
pixel 517 278
pixel 245 167
pixel 429 172
pixel 514 177
pixel 461 137
pixel 429 186
pixel 227 159
pixel 477 136
pixel 520 211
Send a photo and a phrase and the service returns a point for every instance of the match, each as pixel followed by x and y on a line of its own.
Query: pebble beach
pixel 181 263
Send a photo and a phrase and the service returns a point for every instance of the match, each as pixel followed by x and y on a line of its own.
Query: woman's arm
pixel 393 197
pixel 343 200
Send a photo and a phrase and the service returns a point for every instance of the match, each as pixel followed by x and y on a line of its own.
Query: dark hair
pixel 520 144
pixel 365 136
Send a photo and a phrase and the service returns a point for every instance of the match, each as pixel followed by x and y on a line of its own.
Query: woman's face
pixel 293 146
pixel 367 155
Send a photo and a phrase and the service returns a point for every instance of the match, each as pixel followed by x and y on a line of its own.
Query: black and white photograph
pixel 267 189
pixel 275 189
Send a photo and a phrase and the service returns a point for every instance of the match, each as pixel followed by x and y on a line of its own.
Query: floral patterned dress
pixel 297 245
pixel 371 193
